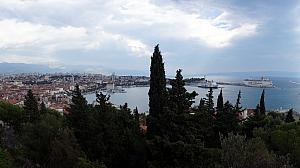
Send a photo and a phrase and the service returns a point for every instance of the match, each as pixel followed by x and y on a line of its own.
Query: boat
pixel 262 82
pixel 204 83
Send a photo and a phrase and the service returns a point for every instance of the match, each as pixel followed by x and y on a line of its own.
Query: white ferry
pixel 262 82
pixel 204 83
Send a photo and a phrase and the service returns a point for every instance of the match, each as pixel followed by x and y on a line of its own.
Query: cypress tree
pixel 238 108
pixel 220 103
pixel 136 114
pixel 262 108
pixel 157 91
pixel 257 110
pixel 289 117
pixel 31 108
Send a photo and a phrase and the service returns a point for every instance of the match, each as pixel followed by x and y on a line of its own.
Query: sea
pixel 285 94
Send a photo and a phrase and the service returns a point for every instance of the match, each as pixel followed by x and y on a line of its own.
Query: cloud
pixel 99 37
pixel 59 31
pixel 173 22
pixel 18 34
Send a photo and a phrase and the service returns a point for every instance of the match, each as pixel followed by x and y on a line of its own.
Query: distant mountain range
pixel 259 74
pixel 14 68
pixel 25 68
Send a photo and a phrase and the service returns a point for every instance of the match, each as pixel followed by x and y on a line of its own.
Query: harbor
pixel 277 97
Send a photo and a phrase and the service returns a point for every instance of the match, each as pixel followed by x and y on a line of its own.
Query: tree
pixel 46 143
pixel 11 115
pixel 85 163
pixel 201 106
pixel 262 107
pixel 136 114
pixel 103 101
pixel 157 91
pixel 5 160
pixel 254 121
pixel 238 152
pixel 238 108
pixel 209 102
pixel 220 103
pixel 78 110
pixel 227 121
pixel 180 100
pixel 79 119
pixel 31 108
pixel 43 108
pixel 289 117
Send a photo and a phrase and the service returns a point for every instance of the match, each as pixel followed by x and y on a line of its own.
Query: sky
pixel 198 36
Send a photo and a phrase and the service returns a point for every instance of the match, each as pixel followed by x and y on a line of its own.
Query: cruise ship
pixel 262 82
pixel 204 83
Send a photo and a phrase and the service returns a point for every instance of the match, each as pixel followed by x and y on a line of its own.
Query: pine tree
pixel 289 117
pixel 201 106
pixel 262 107
pixel 254 121
pixel 220 103
pixel 31 108
pixel 103 101
pixel 78 109
pixel 227 121
pixel 157 92
pixel 180 99
pixel 43 108
pixel 209 102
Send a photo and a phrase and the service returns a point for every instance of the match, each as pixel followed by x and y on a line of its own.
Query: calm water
pixel 285 95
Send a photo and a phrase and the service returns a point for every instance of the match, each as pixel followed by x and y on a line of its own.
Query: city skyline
pixel 197 36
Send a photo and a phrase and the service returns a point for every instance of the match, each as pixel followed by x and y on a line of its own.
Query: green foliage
pixel 283 139
pixel 46 143
pixel 180 100
pixel 227 120
pixel 5 159
pixel 257 120
pixel 201 106
pixel 262 108
pixel 103 101
pixel 11 115
pixel 78 109
pixel 237 108
pixel 220 103
pixel 238 152
pixel 31 109
pixel 85 163
pixel 179 135
pixel 43 108
pixel 209 102
pixel 157 92
pixel 110 135
pixel 178 154
pixel 289 117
